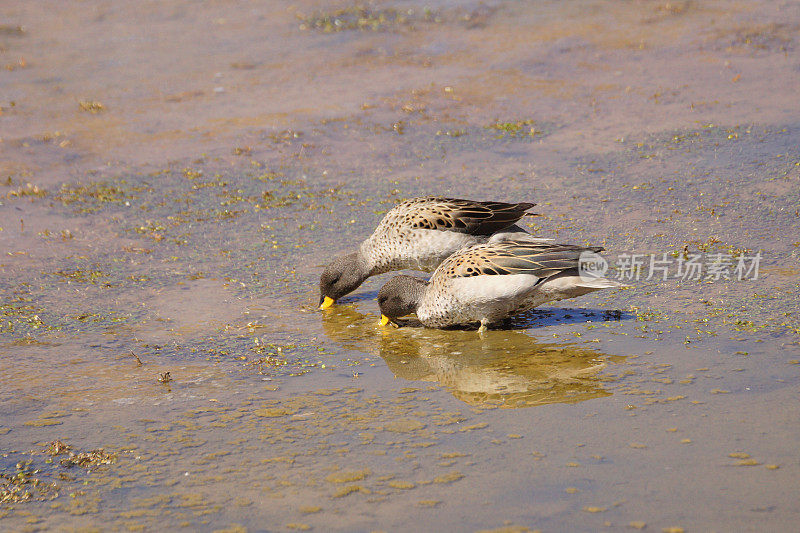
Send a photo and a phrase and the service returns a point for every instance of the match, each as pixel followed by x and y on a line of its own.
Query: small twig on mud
pixel 138 361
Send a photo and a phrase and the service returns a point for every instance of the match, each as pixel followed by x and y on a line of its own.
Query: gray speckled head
pixel 401 295
pixel 342 276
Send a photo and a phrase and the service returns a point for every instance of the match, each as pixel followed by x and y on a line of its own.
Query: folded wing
pixel 462 216
pixel 513 257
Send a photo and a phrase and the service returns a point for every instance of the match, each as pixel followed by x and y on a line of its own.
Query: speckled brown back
pixel 463 216
pixel 510 257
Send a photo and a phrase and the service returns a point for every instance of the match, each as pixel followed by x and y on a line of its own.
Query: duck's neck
pixel 361 264
pixel 374 259
pixel 419 287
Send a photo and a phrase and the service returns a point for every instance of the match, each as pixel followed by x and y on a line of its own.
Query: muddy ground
pixel 174 176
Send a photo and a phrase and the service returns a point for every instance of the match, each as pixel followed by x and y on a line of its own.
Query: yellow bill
pixel 327 302
pixel 384 320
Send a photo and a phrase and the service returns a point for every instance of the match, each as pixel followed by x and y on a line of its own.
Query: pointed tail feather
pixel 515 233
pixel 570 286
pixel 600 283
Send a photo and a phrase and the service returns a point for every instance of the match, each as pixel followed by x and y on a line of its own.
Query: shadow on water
pixel 503 368
pixel 364 296
pixel 530 319
pixel 548 317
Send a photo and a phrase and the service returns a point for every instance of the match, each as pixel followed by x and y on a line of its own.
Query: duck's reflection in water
pixel 505 368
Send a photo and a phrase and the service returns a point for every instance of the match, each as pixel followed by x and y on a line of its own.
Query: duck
pixel 420 233
pixel 490 282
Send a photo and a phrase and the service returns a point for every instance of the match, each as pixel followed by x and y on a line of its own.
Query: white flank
pixel 572 286
pixel 434 246
pixel 491 288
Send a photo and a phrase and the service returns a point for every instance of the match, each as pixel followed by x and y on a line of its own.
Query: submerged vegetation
pixel 365 18
pixel 94 196
pixel 164 363
pixel 518 129
pixel 39 478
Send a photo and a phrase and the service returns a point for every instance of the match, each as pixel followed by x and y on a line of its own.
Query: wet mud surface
pixel 173 178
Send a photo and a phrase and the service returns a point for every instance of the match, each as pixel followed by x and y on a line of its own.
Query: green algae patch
pixel 91 459
pixel 274 412
pixel 22 485
pixel 81 503
pixel 43 422
pixel 446 479
pixel 509 529
pixel 594 509
pixel 138 513
pixel 480 425
pixel 233 528
pixel 91 106
pixel 403 485
pixel 91 197
pixel 29 191
pixel 348 490
pixel 519 129
pixel 348 476
pixel 81 276
pixel 404 425
pixel 364 18
pixel 429 503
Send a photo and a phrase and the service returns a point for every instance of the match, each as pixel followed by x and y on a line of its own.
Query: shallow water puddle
pixel 163 223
